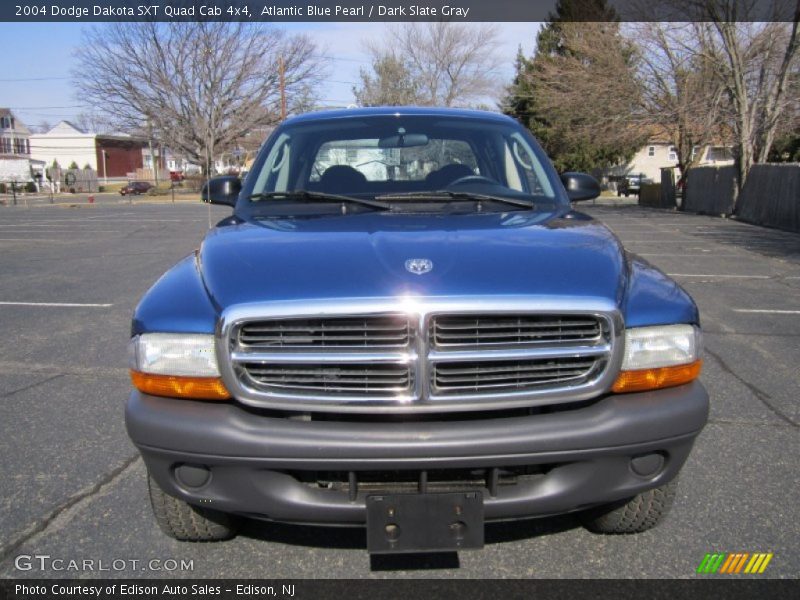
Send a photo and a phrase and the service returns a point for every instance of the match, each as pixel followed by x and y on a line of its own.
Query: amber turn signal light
pixel 654 379
pixel 172 386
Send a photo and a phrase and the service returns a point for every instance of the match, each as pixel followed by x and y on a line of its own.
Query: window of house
pixel 673 154
pixel 5 122
pixel 5 145
pixel 651 151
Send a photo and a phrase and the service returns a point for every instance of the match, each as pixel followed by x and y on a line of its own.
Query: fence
pixel 71 180
pixel 771 196
pixel 710 190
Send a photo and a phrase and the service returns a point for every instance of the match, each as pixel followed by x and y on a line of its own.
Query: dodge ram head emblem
pixel 418 266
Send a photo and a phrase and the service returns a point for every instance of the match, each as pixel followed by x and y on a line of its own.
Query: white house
pixel 656 155
pixel 15 149
pixel 109 155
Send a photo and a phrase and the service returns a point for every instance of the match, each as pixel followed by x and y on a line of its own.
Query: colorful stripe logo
pixel 734 563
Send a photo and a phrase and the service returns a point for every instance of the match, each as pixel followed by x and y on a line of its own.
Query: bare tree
pixel 450 64
pixel 199 86
pixel 44 126
pixel 390 83
pixel 681 96
pixel 92 122
pixel 758 69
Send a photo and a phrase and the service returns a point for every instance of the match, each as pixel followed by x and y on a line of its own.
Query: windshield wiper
pixel 319 196
pixel 449 195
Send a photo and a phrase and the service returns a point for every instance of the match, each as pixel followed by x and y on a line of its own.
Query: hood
pixel 364 256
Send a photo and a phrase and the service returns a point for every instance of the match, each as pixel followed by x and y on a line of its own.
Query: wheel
pixel 182 521
pixel 640 513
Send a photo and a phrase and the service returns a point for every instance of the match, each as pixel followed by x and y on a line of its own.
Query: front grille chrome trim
pixel 420 354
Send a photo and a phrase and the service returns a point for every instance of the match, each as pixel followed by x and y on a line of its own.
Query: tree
pixel 680 96
pixel 44 126
pixel 578 94
pixel 389 84
pixel 199 86
pixel 757 66
pixel 439 64
pixel 92 122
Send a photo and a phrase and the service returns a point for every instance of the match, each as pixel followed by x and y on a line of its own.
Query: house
pixel 658 154
pixel 15 149
pixel 112 156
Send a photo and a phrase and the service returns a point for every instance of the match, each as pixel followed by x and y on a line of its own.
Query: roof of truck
pixel 348 113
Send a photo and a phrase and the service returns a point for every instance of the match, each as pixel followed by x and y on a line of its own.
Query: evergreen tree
pixel 525 100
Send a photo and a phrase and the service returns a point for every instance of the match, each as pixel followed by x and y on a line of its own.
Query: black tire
pixel 185 522
pixel 640 513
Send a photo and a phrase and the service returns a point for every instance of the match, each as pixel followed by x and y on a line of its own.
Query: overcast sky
pixel 39 57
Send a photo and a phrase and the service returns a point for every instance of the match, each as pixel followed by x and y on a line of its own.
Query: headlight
pixel 659 357
pixel 176 365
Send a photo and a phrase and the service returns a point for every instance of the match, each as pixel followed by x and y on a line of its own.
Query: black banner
pixel 360 589
pixel 389 10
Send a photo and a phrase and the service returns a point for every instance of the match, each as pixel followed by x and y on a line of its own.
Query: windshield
pixel 403 160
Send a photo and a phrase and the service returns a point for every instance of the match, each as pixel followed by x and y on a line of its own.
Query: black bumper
pixel 267 466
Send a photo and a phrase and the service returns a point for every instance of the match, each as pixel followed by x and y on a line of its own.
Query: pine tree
pixel 524 102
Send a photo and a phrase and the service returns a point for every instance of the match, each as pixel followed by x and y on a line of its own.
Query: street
pixel 74 487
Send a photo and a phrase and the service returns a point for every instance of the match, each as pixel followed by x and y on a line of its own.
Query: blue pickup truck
pixel 405 326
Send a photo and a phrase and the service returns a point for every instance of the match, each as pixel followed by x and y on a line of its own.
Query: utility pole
pixel 152 156
pixel 282 73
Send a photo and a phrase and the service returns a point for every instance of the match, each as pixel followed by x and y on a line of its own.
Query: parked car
pixel 176 176
pixel 134 188
pixel 631 184
pixel 406 326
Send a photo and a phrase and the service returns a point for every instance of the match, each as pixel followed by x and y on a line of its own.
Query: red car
pixel 135 188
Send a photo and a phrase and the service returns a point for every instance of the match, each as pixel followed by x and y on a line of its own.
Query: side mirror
pixel 221 190
pixel 580 186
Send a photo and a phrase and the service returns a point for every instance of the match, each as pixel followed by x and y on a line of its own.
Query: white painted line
pixel 766 311
pixel 57 304
pixel 706 254
pixel 718 276
pixel 37 240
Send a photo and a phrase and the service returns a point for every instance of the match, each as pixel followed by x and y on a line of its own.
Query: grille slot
pixel 473 331
pixel 516 375
pixel 390 331
pixel 334 379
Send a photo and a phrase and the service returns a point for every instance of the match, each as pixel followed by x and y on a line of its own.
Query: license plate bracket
pixel 429 522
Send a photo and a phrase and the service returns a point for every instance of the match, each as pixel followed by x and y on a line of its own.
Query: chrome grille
pixel 389 331
pixel 433 355
pixel 512 375
pixel 468 331
pixel 334 379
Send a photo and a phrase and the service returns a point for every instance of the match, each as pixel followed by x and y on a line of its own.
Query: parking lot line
pixel 718 276
pixel 767 311
pixel 56 304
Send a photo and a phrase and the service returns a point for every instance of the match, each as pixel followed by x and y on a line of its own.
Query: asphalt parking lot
pixel 73 486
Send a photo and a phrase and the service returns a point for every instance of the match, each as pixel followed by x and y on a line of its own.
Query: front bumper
pixel 265 466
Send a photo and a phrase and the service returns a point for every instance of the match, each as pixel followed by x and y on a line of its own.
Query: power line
pixel 34 79
pixel 46 107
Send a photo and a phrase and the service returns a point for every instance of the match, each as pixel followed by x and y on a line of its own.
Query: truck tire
pixel 182 521
pixel 642 512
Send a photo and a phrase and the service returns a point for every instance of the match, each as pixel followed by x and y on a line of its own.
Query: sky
pixel 39 58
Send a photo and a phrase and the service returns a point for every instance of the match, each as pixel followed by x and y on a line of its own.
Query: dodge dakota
pixel 406 326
